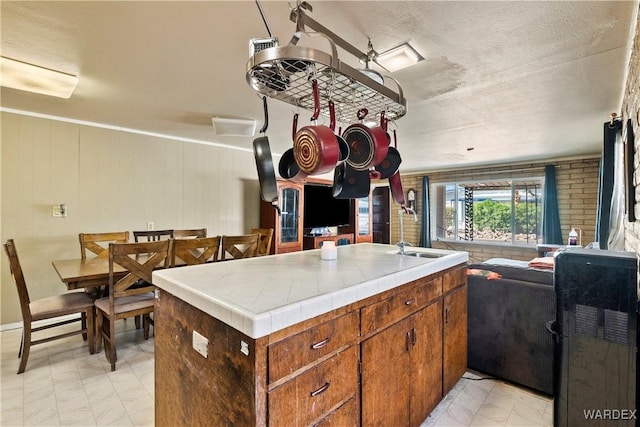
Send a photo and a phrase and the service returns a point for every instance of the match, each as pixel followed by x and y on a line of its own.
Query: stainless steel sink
pixel 422 254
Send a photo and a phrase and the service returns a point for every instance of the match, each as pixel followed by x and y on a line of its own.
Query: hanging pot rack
pixel 285 73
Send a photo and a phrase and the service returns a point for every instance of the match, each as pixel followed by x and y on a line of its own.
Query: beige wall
pixel 110 181
pixel 577 185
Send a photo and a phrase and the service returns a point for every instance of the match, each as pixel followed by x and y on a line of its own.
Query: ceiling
pixel 507 81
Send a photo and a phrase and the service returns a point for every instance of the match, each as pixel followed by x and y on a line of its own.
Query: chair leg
pixel 83 322
pixel 112 356
pixel 25 347
pixel 99 331
pixel 137 321
pixel 91 329
pixel 145 325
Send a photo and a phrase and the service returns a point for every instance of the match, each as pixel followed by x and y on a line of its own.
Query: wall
pixel 110 181
pixel 577 185
pixel 631 109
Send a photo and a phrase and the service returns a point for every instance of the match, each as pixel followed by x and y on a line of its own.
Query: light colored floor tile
pixel 65 385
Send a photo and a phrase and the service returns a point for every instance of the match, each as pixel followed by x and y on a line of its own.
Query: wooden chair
pixel 266 235
pixel 132 295
pixel 183 234
pixel 98 243
pixel 195 251
pixel 48 308
pixel 245 246
pixel 152 236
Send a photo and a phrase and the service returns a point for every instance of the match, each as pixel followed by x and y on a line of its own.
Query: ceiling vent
pixel 233 127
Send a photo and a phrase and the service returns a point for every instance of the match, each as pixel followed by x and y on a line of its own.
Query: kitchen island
pixel 372 337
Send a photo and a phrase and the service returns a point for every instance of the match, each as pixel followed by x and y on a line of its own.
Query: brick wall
pixel 577 183
pixel 631 109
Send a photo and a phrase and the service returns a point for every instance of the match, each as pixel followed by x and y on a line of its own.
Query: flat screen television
pixel 321 209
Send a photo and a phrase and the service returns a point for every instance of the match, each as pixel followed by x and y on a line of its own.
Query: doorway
pixel 380 215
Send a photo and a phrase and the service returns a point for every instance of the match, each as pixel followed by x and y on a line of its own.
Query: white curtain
pixel 616 218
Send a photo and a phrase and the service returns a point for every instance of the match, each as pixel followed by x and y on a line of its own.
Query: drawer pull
pixel 321 343
pixel 320 390
pixel 409 302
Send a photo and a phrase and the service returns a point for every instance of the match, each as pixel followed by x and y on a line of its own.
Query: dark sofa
pixel 507 337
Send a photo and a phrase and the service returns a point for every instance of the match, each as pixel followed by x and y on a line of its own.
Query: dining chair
pixel 194 251
pixel 237 247
pixel 132 295
pixel 152 235
pixel 98 243
pixel 59 306
pixel 264 245
pixel 183 234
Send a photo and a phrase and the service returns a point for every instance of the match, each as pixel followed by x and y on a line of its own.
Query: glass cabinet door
pixel 363 216
pixel 289 215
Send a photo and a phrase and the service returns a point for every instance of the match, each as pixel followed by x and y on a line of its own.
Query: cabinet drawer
pixel 400 305
pixel 291 354
pixel 454 279
pixel 313 394
pixel 346 415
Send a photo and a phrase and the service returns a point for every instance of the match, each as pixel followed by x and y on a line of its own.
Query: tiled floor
pixel 64 385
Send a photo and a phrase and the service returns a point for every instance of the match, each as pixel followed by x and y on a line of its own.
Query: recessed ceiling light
pixel 33 78
pixel 399 57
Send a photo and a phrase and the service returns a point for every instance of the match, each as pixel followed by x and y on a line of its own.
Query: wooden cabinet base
pixel 385 360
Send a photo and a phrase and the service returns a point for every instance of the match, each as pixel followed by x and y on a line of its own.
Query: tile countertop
pixel 258 296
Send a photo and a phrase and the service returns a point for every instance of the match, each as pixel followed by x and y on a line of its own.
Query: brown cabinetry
pixel 287 226
pixel 455 337
pixel 313 242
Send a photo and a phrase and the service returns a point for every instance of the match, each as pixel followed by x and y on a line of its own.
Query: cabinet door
pixel 363 220
pixel 289 228
pixel 385 376
pixel 455 337
pixel 426 361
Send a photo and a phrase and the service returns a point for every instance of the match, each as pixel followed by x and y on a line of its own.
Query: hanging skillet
pixel 349 183
pixel 390 164
pixel 264 163
pixel 342 144
pixel 288 167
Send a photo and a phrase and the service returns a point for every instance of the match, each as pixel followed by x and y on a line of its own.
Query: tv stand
pixel 313 242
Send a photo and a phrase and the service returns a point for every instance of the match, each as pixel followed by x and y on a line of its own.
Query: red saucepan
pixel 288 168
pixel 315 147
pixel 264 163
pixel 368 145
pixel 390 164
pixel 342 144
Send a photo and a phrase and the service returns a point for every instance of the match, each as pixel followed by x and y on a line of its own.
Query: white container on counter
pixel 328 251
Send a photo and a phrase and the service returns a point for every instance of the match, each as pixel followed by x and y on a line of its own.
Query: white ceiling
pixel 515 81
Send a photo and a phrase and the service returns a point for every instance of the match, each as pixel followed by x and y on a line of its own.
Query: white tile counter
pixel 258 296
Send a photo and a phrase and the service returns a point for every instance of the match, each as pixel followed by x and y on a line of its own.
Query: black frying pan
pixel 264 163
pixel 390 164
pixel 349 183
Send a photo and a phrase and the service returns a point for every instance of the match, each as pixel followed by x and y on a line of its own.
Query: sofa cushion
pixel 516 270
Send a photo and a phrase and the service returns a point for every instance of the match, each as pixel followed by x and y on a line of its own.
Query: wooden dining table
pixel 86 273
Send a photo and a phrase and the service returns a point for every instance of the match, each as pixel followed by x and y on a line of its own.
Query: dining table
pixel 86 273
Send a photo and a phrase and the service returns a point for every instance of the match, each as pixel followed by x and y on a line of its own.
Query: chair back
pixel 18 279
pixel 139 259
pixel 245 246
pixel 264 245
pixel 183 234
pixel 195 251
pixel 98 243
pixel 152 236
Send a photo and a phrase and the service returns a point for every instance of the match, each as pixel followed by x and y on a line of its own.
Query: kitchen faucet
pixel 402 244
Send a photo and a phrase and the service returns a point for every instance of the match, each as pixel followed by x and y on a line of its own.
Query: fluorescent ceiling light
pixel 32 78
pixel 233 127
pixel 399 57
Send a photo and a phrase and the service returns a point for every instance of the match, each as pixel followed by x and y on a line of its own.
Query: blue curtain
pixel 551 232
pixel 425 223
pixel 605 183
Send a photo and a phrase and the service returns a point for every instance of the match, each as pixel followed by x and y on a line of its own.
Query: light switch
pixel 200 344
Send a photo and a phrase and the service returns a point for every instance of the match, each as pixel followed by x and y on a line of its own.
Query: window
pixel 504 211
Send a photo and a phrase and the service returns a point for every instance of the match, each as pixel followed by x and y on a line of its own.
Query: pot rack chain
pixel 285 73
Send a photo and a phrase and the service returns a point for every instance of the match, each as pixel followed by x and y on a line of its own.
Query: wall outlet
pixel 151 226
pixel 200 344
pixel 59 211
